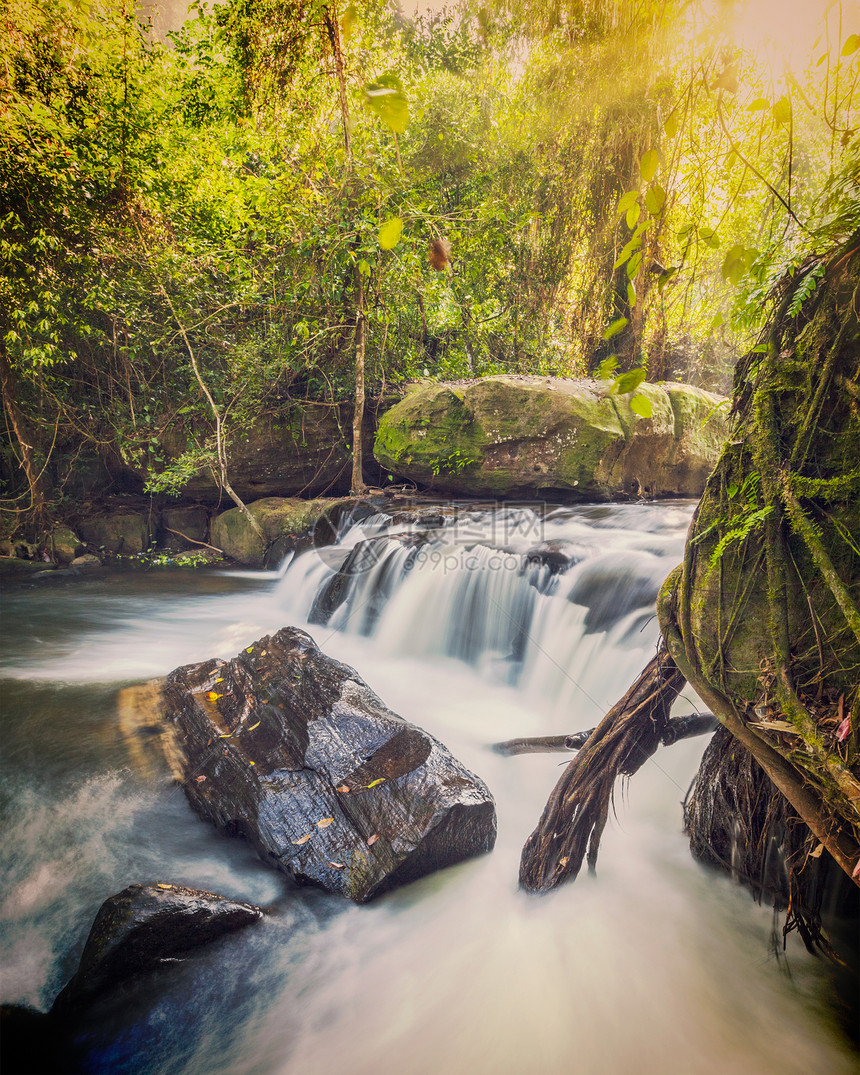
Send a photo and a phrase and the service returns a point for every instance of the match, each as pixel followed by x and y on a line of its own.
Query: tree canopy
pixel 195 230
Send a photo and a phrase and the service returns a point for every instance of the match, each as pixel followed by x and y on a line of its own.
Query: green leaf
pixel 731 159
pixel 851 45
pixel 648 165
pixel 630 381
pixel 390 232
pixel 626 201
pixel 347 23
pixel 709 236
pixel 717 321
pixel 782 110
pixel 642 406
pixel 631 293
pixel 617 325
pixel 364 267
pixel 386 99
pixel 758 105
pixel 670 127
pixel 633 215
pixel 655 199
pixel 607 368
pixel 633 265
pixel 634 244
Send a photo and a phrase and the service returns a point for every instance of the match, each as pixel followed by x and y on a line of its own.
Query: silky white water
pixel 655 964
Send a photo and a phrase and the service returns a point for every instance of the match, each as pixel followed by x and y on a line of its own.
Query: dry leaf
pixel 265 653
pixel 776 726
pixel 373 839
pixel 342 788
pixel 161 884
pixel 324 824
pixel 844 729
pixel 373 783
pixel 200 779
pixel 337 865
pixel 303 839
pixel 816 854
pixel 856 871
pixel 563 861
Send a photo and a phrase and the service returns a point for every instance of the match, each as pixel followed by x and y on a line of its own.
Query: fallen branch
pixel 577 810
pixel 678 728
pixel 194 541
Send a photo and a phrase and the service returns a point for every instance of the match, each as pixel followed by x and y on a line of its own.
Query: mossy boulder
pixel 119 533
pixel 285 522
pixel 64 544
pixel 538 436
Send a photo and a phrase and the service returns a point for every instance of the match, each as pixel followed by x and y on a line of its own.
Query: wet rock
pixel 87 562
pixel 142 927
pixel 610 590
pixel 293 750
pixel 558 556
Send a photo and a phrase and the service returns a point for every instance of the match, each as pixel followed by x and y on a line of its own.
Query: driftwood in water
pixel 576 813
pixel 678 728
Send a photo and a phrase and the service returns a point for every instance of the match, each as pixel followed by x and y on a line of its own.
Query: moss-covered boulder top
pixel 544 436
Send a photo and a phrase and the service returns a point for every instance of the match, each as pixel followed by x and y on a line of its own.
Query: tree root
pixel 575 815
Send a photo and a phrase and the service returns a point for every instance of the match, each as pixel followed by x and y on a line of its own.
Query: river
pixel 655 964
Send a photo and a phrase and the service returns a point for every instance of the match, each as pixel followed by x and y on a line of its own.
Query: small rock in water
pixel 302 758
pixel 142 927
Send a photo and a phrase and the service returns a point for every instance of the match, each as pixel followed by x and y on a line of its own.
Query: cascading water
pixel 479 624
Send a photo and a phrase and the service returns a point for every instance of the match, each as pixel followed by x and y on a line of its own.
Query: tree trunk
pixel 332 24
pixel 358 486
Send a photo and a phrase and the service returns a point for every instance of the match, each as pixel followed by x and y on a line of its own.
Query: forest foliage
pixel 516 188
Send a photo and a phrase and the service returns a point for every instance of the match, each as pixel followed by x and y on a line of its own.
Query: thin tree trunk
pixel 332 23
pixel 9 387
pixel 358 486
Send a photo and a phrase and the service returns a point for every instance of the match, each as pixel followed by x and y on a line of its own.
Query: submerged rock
pixel 293 750
pixel 538 436
pixel 141 927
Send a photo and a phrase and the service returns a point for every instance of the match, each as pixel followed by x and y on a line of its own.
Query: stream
pixel 655 964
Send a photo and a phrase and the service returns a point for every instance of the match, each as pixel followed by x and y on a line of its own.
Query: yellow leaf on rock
pixel 161 884
pixel 253 726
pixel 373 783
pixel 220 679
pixel 213 696
pixel 303 839
pixel 324 824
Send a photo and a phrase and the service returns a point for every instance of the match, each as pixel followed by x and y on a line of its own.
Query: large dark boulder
pixel 293 750
pixel 141 927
